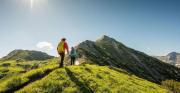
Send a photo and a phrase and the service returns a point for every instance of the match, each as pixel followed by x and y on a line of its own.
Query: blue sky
pixel 150 26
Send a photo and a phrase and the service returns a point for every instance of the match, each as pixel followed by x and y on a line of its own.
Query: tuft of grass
pixel 15 82
pixel 172 85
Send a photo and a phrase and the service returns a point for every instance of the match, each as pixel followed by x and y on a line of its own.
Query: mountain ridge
pixel 108 51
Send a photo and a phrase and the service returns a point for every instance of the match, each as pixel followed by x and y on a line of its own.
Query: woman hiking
pixel 62 46
pixel 73 55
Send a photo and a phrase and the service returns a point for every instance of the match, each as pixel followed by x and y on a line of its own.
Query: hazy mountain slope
pixel 108 51
pixel 26 55
pixel 172 58
pixel 89 79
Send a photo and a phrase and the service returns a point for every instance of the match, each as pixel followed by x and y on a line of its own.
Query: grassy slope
pixel 13 82
pixel 91 78
pixel 13 68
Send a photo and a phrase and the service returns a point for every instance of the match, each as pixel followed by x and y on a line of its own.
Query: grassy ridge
pixel 16 82
pixel 57 81
pixel 91 78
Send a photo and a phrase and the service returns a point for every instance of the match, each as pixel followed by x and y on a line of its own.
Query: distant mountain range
pixel 172 58
pixel 108 51
pixel 27 55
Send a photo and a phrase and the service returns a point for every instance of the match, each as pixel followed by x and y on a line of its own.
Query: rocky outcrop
pixel 172 58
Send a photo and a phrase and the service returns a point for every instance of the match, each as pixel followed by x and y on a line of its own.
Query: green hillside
pixel 15 82
pixel 110 52
pixel 13 68
pixel 91 78
pixel 48 78
pixel 106 66
pixel 27 55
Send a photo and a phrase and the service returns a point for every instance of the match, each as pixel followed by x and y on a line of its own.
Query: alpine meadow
pixel 89 46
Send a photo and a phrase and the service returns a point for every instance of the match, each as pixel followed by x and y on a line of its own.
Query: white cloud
pixel 44 46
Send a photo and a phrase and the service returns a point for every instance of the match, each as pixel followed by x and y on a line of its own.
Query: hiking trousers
pixel 61 63
pixel 73 60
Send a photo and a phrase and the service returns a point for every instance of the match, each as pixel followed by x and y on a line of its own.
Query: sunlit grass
pixel 71 79
pixel 13 68
pixel 57 81
pixel 97 79
pixel 172 85
pixel 16 81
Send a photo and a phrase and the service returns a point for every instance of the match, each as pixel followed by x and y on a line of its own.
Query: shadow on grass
pixel 83 87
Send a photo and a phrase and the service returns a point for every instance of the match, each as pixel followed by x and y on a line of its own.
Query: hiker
pixel 62 46
pixel 73 55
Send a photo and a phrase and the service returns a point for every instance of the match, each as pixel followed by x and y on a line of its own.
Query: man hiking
pixel 62 46
pixel 73 55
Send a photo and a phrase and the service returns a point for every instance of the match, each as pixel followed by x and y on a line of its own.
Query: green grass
pixel 13 68
pixel 36 77
pixel 15 82
pixel 172 85
pixel 91 78
pixel 57 81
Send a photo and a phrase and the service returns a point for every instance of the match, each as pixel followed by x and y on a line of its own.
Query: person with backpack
pixel 73 55
pixel 62 46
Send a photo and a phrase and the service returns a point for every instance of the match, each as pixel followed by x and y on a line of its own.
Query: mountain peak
pixel 105 38
pixel 87 42
pixel 173 54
